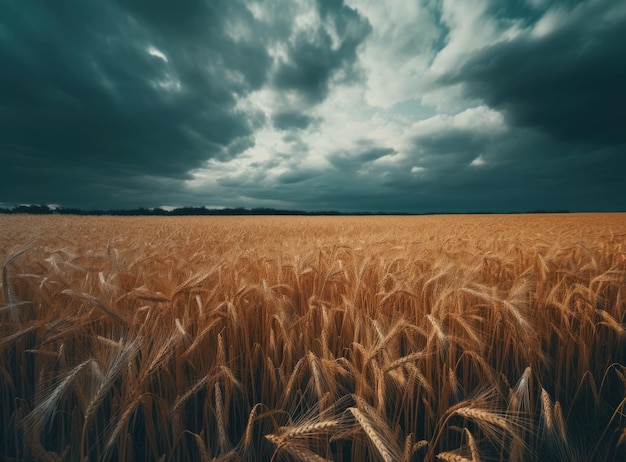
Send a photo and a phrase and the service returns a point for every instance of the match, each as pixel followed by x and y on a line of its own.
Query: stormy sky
pixel 348 105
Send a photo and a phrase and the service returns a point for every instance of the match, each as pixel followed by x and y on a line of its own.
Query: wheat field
pixel 452 338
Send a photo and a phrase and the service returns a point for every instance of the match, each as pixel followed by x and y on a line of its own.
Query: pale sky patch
pixel 396 76
pixel 478 162
pixel 152 51
pixel 470 29
pixel 549 22
pixel 479 119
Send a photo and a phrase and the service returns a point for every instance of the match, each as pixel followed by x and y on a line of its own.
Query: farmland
pixel 454 338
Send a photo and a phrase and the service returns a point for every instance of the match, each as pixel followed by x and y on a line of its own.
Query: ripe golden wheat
pixel 463 338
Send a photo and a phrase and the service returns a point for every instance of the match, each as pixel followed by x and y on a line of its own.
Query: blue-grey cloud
pixel 286 120
pixel 142 103
pixel 101 93
pixel 313 59
pixel 291 177
pixel 568 83
pixel 364 152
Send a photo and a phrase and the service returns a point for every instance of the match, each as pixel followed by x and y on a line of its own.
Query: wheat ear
pixel 387 454
pixel 452 457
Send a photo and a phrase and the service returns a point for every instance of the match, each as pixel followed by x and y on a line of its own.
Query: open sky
pixel 353 105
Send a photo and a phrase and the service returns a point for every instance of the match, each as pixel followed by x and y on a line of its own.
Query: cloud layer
pixel 448 105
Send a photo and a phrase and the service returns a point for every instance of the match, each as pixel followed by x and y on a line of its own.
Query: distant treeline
pixel 47 210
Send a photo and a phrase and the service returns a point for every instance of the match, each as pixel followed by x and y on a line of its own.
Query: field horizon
pixel 45 209
pixel 449 337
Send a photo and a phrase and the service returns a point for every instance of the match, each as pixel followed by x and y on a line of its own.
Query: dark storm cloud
pixel 519 169
pixel 313 59
pixel 568 83
pixel 126 95
pixel 316 58
pixel 503 183
pixel 448 150
pixel 140 103
pixel 201 30
pixel 558 147
pixel 85 99
pixel 292 177
pixel 448 166
pixel 291 120
pixel 363 153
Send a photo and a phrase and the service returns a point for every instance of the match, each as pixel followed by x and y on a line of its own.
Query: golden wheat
pixel 313 338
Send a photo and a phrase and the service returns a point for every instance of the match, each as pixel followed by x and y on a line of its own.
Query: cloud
pixel 446 105
pixel 157 53
pixel 478 161
pixel 395 56
pixel 354 159
pixel 291 119
pixel 111 93
pixel 102 94
pixel 563 76
pixel 445 143
pixel 291 177
pixel 321 52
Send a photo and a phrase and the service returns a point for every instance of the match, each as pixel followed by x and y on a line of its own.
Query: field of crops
pixel 454 338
